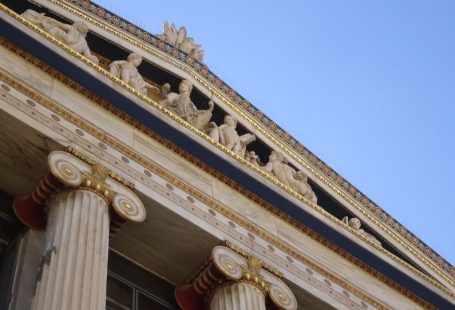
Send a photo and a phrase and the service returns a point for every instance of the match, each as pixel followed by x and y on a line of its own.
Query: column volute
pixel 67 171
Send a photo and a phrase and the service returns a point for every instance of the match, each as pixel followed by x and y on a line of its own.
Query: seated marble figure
pixel 297 180
pixel 227 135
pixel 180 104
pixel 127 71
pixel 72 35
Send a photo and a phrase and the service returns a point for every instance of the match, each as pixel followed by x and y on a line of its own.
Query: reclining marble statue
pixel 72 35
pixel 297 180
pixel 227 135
pixel 127 71
pixel 180 104
pixel 356 224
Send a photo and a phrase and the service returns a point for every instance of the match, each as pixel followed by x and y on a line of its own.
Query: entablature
pixel 201 210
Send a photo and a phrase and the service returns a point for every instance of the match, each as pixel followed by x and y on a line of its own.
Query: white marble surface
pixel 243 206
pixel 172 162
pixel 17 171
pixel 74 261
pixel 25 72
pixel 238 296
pixel 90 111
pixel 31 247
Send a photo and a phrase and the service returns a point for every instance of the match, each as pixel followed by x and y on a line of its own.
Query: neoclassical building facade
pixel 133 177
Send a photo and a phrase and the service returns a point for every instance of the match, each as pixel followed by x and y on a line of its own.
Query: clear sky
pixel 368 86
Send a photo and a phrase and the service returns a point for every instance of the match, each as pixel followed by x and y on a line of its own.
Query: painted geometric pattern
pixel 250 109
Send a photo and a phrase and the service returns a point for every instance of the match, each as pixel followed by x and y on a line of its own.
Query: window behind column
pixel 10 229
pixel 130 287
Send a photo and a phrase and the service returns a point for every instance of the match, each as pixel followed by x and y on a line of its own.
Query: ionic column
pixel 237 295
pixel 73 269
pixel 232 281
pixel 74 265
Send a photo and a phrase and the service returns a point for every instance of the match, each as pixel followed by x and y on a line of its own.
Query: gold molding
pixel 54 107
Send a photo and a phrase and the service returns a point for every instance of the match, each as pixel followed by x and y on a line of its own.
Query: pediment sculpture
pixel 72 35
pixel 126 70
pixel 297 180
pixel 180 104
pixel 253 158
pixel 179 39
pixel 227 135
pixel 355 223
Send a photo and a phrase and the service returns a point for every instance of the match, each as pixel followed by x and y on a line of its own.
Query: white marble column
pixel 237 296
pixel 74 266
pixel 78 222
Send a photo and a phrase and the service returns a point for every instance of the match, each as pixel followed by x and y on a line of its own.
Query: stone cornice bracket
pixel 70 172
pixel 226 267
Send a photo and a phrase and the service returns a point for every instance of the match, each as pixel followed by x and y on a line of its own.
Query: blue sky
pixel 368 86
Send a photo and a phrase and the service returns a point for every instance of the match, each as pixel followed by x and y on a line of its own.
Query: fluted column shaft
pixel 73 270
pixel 237 295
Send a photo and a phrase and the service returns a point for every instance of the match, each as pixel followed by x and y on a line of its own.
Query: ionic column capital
pixel 225 267
pixel 68 171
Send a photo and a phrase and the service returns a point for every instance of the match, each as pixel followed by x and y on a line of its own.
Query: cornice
pixel 137 157
pixel 283 140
